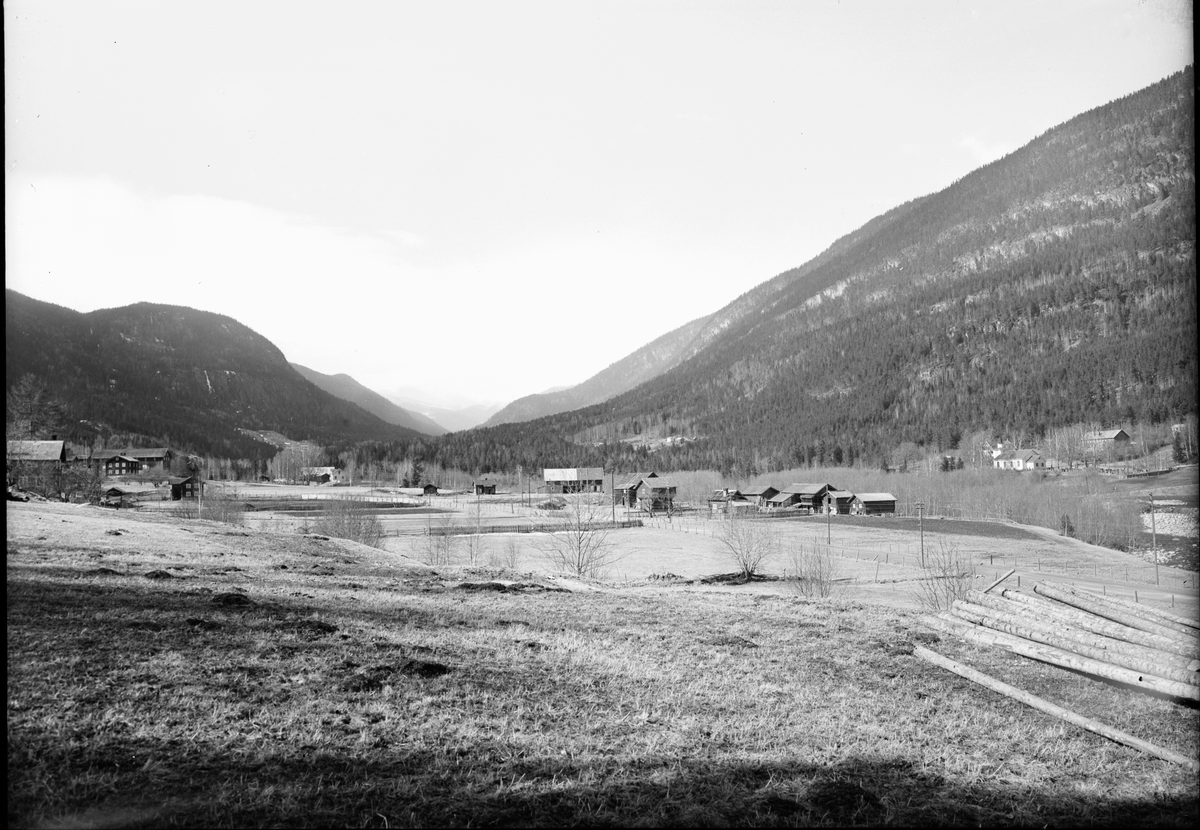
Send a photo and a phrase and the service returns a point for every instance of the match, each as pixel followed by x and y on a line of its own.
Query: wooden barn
pixel 625 489
pixel 873 504
pixel 657 493
pixel 843 501
pixel 485 486
pixel 429 490
pixel 760 495
pixel 573 480
pixel 809 496
pixel 186 487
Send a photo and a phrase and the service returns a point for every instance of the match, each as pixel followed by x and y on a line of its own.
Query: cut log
pixel 1092 604
pixel 1068 660
pixel 1152 613
pixel 998 581
pixel 1086 646
pixel 1100 625
pixel 1137 609
pixel 1037 619
pixel 1049 708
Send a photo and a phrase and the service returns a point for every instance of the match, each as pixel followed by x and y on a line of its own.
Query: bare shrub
pixel 948 576
pixel 813 571
pixel 436 547
pixel 508 556
pixel 748 542
pixel 474 542
pixel 349 519
pixel 579 544
pixel 224 506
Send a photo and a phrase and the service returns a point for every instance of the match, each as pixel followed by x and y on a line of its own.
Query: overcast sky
pixel 481 200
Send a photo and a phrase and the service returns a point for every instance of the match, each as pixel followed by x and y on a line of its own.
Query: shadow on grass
pixel 472 786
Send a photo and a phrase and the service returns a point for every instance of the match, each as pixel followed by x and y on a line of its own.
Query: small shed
pixel 186 487
pixel 782 500
pixel 485 486
pixel 429 490
pixel 873 504
pixel 124 496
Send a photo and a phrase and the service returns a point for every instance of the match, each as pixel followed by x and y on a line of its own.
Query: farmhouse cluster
pixel 652 492
pixel 46 460
pixel 803 498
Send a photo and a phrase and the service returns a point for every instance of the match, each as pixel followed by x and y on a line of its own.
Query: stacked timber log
pixel 1146 648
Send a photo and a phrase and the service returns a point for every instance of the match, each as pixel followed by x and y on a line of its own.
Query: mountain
pixel 1054 286
pixel 189 379
pixel 348 389
pixel 453 417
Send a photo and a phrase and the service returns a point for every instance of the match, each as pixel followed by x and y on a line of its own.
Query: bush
pixel 813 570
pixel 948 576
pixel 350 519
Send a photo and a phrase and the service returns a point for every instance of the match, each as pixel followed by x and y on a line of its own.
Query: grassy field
pixel 164 672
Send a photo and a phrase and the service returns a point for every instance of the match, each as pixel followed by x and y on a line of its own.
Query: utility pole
pixel 612 492
pixel 921 525
pixel 828 511
pixel 1154 539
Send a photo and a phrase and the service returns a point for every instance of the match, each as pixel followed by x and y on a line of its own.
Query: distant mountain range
pixel 175 376
pixel 348 389
pixel 454 419
pixel 1056 285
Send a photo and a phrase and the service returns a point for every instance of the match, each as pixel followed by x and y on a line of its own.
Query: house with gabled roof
pixel 1019 460
pixel 573 480
pixel 873 504
pixel 760 495
pixel 625 488
pixel 810 496
pixel 485 485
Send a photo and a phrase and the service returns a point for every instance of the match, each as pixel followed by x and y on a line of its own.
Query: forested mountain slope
pixel 1053 286
pixel 348 389
pixel 185 378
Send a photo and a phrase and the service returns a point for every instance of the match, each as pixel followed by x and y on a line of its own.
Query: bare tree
pixel 350 519
pixel 580 543
pixel 436 547
pixel 474 540
pixel 749 542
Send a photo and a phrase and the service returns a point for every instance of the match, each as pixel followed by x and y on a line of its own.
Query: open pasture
pixel 166 672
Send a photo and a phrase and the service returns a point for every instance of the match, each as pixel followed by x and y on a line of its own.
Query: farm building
pixel 782 500
pixel 1019 460
pixel 760 495
pixel 871 504
pixel 843 501
pixel 153 458
pixel 727 500
pixel 657 493
pixel 810 496
pixel 121 465
pixel 574 480
pixel 625 489
pixel 37 452
pixel 186 487
pixel 485 486
pixel 124 495
pixel 322 475
pixel 429 490
pixel 1106 439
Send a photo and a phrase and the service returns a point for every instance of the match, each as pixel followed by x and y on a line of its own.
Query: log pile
pixel 1142 647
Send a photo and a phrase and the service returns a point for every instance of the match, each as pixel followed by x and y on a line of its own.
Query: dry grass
pixel 286 680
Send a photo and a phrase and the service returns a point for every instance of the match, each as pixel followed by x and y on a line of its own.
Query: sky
pixel 476 201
